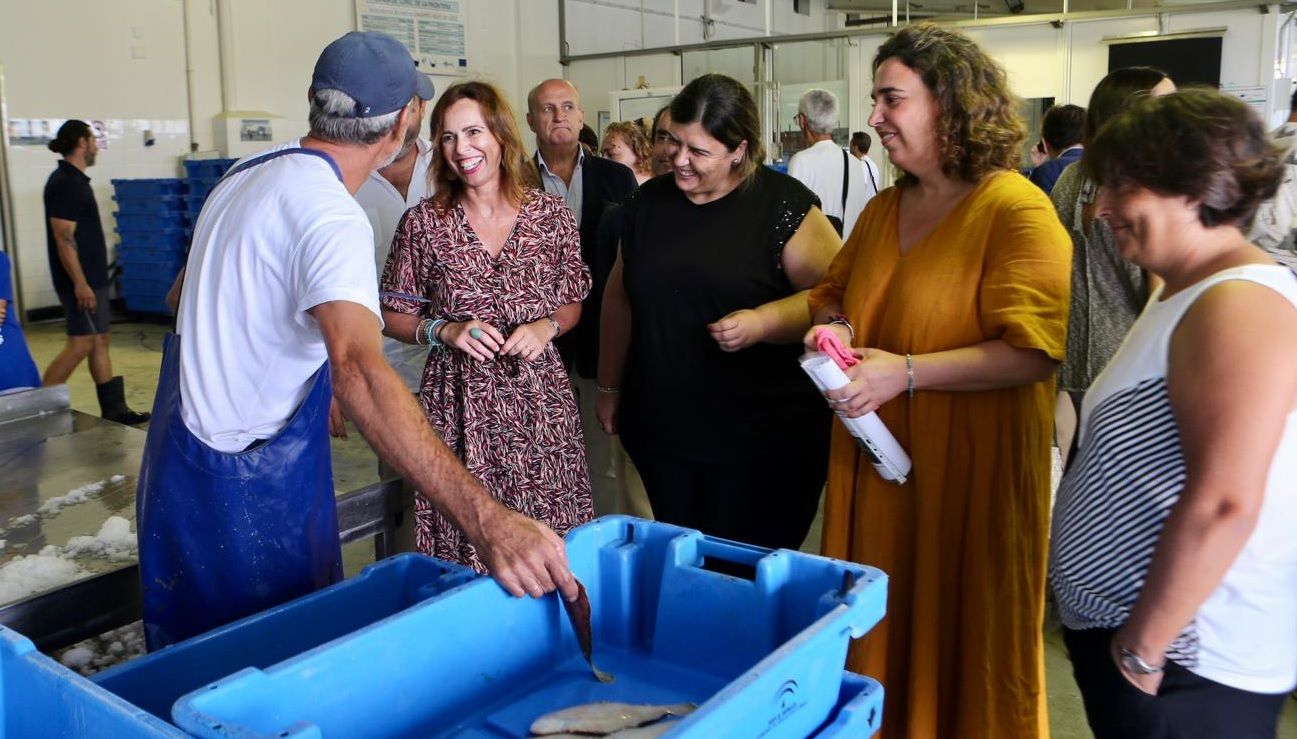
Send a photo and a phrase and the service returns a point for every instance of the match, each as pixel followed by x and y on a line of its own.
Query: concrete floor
pixel 137 353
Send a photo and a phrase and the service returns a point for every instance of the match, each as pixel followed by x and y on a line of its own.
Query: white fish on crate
pixel 652 731
pixel 605 718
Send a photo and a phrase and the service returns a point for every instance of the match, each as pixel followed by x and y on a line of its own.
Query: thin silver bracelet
pixel 841 320
pixel 557 328
pixel 909 374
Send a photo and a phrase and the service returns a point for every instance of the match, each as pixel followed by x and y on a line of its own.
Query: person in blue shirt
pixel 17 370
pixel 1060 131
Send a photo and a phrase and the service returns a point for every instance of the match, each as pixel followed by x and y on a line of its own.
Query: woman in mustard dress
pixel 953 288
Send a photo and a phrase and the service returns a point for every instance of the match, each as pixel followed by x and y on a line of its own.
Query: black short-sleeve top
pixel 686 266
pixel 69 197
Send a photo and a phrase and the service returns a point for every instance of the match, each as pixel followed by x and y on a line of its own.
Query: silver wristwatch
pixel 1135 665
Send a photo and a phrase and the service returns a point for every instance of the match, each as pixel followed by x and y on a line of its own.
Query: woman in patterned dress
pixel 489 272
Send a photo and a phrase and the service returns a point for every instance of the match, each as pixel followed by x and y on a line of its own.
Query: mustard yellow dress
pixel 960 652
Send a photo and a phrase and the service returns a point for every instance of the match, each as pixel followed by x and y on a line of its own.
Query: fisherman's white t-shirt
pixel 385 207
pixel 271 243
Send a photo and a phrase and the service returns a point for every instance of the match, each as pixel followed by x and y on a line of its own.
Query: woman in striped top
pixel 1173 555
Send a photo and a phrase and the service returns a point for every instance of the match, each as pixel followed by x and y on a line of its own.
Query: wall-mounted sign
pixel 433 30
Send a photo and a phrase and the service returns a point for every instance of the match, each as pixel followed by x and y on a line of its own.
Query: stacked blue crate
pixel 151 224
pixel 201 175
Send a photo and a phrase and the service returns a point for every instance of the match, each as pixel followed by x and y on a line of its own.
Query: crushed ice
pixel 54 566
pixel 103 651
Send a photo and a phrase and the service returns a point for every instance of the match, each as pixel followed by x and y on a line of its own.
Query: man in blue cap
pixel 279 313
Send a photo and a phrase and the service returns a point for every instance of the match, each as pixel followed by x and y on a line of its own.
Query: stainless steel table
pixel 47 449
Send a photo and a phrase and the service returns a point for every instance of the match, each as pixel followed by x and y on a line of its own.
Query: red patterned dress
pixel 513 423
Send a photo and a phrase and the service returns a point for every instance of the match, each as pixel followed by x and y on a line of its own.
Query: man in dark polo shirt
pixel 79 266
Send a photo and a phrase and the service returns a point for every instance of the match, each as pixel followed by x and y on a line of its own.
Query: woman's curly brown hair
pixel 978 130
pixel 633 136
pixel 1198 143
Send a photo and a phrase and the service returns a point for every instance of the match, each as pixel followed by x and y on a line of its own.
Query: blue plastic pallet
pixel 155 681
pixel 42 698
pixel 761 656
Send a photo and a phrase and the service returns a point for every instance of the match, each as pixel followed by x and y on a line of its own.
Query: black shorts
pixel 85 322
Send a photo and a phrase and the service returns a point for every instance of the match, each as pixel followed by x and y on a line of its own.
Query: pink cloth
pixel 829 343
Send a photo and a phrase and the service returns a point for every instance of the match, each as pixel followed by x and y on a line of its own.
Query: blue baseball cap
pixel 372 68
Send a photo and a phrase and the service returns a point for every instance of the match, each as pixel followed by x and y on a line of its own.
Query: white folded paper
pixel 884 452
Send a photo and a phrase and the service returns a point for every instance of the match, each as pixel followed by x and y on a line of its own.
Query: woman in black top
pixel 702 316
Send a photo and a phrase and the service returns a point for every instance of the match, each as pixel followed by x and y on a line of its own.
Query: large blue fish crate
pixel 42 698
pixel 154 682
pixel 858 713
pixel 761 650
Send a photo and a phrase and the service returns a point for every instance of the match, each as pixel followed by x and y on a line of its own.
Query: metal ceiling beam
pixel 1037 19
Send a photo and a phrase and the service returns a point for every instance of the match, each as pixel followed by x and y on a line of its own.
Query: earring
pixel 735 162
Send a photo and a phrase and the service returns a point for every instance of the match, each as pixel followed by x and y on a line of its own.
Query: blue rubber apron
pixel 225 535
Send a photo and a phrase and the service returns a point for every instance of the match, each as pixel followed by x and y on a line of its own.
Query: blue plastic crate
pixel 129 220
pixel 761 656
pixel 154 204
pixel 174 236
pixel 194 206
pixel 155 681
pixel 207 168
pixel 201 187
pixel 146 285
pixel 133 251
pixel 161 269
pixel 859 711
pixel 146 303
pixel 147 188
pixel 42 698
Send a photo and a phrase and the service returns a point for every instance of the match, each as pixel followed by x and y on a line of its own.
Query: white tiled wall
pixel 120 62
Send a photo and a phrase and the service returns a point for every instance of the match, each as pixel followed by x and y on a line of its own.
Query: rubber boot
pixel 112 403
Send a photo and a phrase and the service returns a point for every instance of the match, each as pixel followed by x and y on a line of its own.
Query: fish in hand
pixel 578 612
